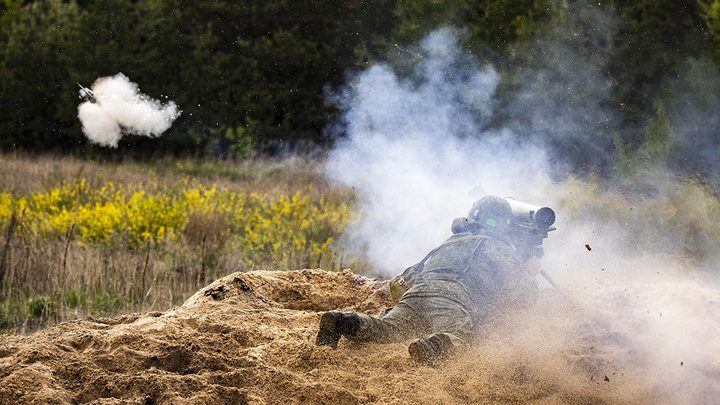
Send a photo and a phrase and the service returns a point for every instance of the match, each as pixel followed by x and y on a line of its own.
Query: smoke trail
pixel 121 108
pixel 419 151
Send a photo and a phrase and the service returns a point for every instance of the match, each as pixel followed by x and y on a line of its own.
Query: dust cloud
pixel 119 108
pixel 635 315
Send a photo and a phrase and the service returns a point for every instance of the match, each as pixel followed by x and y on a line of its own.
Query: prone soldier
pixel 489 264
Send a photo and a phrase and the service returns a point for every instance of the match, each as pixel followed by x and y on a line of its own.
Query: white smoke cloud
pixel 119 108
pixel 419 151
pixel 416 148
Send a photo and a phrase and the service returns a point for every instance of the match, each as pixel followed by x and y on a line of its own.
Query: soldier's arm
pixel 512 281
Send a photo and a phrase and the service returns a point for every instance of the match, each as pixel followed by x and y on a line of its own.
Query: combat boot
pixel 431 349
pixel 334 324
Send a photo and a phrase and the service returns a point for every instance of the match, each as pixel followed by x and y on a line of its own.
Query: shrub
pixel 40 305
pixel 292 231
pixel 75 298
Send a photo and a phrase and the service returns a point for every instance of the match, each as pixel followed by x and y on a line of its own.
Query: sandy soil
pixel 248 338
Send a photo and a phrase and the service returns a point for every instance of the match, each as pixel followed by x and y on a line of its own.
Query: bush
pixel 40 306
pixel 75 298
pixel 104 302
pixel 290 232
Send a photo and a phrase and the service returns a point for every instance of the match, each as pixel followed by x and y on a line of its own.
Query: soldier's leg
pixel 401 322
pixel 396 324
pixel 452 327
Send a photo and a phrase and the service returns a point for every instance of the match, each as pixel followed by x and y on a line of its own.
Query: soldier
pixel 457 286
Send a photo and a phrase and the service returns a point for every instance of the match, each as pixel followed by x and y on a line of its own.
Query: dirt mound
pixel 248 338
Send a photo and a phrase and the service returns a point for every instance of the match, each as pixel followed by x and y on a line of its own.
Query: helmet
pixel 492 213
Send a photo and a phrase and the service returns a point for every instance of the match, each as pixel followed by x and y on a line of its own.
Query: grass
pixel 49 275
pixel 23 174
pixel 52 276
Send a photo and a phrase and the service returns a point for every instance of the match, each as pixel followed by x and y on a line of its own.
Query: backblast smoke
pixel 419 151
pixel 120 108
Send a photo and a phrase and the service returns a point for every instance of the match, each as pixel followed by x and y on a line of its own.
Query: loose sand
pixel 249 338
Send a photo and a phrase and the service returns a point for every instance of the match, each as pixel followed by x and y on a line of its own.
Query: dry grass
pixel 22 174
pixel 47 280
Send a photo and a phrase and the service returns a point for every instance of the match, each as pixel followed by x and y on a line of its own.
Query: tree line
pixel 251 75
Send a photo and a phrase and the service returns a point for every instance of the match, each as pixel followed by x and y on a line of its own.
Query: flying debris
pixel 86 94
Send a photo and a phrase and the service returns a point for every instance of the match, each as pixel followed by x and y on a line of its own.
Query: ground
pixel 249 338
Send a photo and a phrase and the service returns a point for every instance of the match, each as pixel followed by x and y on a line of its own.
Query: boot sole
pixel 328 335
pixel 327 322
pixel 418 353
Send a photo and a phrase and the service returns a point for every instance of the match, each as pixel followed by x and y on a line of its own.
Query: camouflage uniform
pixel 460 286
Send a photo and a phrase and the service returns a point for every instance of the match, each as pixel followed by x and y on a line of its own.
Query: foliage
pixel 88 246
pixel 240 140
pixel 40 305
pixel 104 302
pixel 658 138
pixel 36 39
pixel 251 75
pixel 222 62
pixel 293 231
pixel 655 212
pixel 75 298
pixel 6 206
pixel 651 44
pixel 658 134
pixel 498 23
pixel 710 13
pixel 16 311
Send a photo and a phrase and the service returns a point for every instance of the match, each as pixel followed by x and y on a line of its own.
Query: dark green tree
pixel 654 39
pixel 33 75
pixel 262 66
pixel 498 23
pixel 710 13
